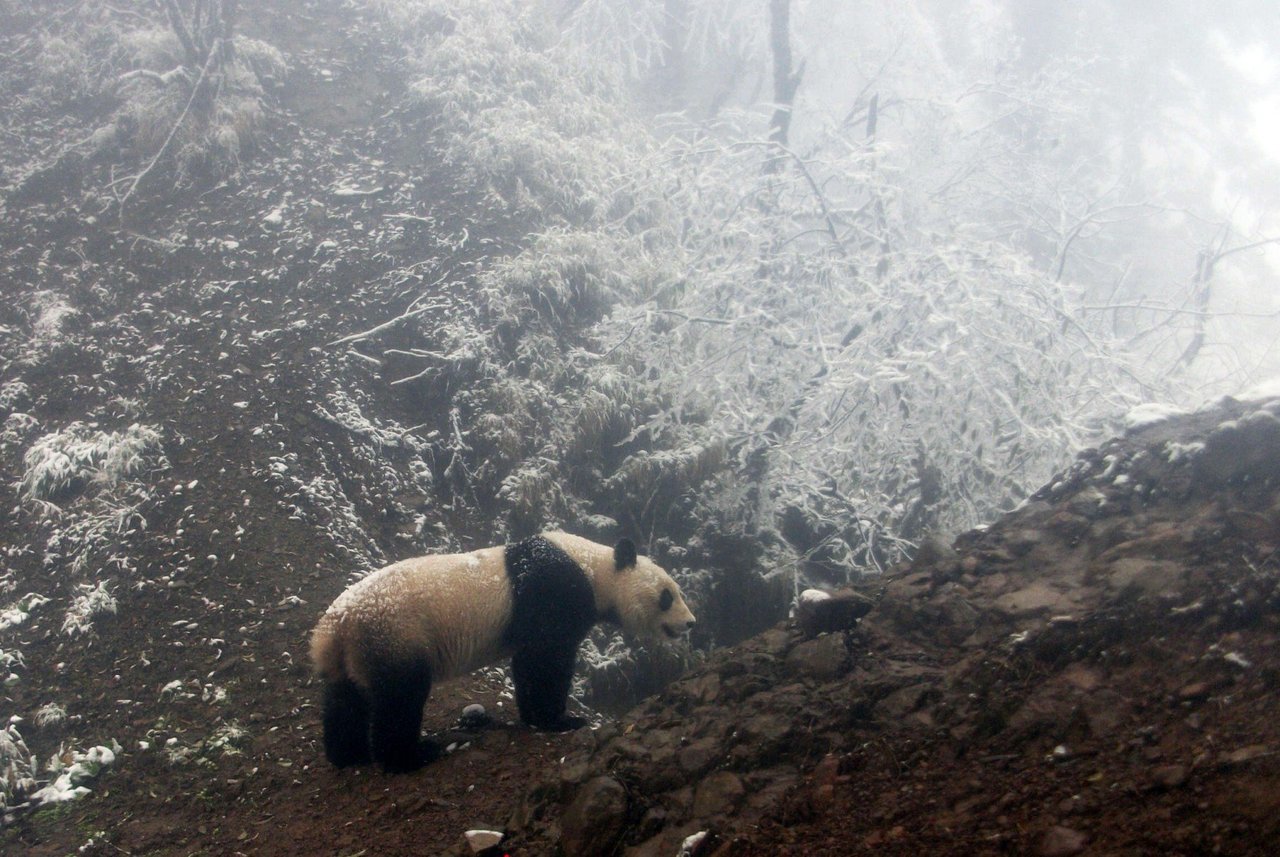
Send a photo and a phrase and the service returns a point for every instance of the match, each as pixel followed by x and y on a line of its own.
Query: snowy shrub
pixel 20 611
pixel 13 395
pixel 67 71
pixel 92 601
pixel 797 360
pixel 205 146
pixel 70 779
pixel 17 768
pixel 50 315
pixel 179 96
pixel 66 461
pixel 50 714
pixel 18 429
pixel 537 133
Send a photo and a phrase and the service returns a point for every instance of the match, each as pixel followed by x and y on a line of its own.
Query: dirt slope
pixel 1096 673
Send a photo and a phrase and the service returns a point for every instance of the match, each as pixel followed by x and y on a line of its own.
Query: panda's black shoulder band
pixel 624 554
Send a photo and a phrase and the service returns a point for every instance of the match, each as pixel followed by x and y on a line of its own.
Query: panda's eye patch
pixel 666 600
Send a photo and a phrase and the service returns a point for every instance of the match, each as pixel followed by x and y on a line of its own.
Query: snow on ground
pixel 1262 391
pixel 1149 414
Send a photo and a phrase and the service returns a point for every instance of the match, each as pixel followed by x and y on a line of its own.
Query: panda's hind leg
pixel 543 676
pixel 346 723
pixel 398 690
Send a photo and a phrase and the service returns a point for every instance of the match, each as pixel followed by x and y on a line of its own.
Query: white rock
pixel 813 596
pixel 479 840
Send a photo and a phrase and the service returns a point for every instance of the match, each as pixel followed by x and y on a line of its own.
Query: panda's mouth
pixel 673 634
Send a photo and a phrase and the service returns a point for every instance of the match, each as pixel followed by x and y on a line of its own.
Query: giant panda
pixel 383 642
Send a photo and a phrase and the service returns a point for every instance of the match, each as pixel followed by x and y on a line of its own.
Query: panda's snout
pixel 676 630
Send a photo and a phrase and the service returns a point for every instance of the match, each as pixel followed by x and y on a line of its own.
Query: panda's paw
pixel 424 753
pixel 563 723
pixel 429 751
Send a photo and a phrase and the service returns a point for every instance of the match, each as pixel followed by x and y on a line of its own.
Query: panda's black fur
pixel 379 651
pixel 554 608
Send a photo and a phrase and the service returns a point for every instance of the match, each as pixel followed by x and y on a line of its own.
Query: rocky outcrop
pixel 1092 672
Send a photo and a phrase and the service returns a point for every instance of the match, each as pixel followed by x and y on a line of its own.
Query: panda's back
pixel 453 608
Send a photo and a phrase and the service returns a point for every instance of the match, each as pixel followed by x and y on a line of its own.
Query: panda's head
pixel 646 600
pixel 630 590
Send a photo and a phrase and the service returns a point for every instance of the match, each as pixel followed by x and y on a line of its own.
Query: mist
pixel 791 294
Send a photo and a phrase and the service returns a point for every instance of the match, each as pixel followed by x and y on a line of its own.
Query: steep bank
pixel 1096 672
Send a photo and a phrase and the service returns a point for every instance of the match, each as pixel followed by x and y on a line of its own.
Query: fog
pixel 781 290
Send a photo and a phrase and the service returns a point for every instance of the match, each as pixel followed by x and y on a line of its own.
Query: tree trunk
pixel 785 81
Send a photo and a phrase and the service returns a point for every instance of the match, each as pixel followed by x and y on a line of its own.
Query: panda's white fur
pixel 628 595
pixel 451 606
pixel 388 637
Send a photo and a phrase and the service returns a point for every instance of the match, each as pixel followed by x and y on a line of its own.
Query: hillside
pixel 1094 673
pixel 214 414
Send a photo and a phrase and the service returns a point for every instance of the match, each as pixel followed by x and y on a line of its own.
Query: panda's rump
pixel 451 608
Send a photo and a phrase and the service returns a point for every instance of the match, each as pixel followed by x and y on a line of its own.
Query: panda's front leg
pixel 543 675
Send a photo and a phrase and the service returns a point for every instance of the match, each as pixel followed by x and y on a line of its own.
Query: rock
pixel 1244 755
pixel 1249 447
pixel 824 658
pixel 482 840
pixel 664 844
pixel 718 793
pixel 698 756
pixel 1039 597
pixel 820 612
pixel 593 822
pixel 1063 842
pixel 1169 776
pixel 474 717
pixel 692 844
pixel 1022 542
pixel 1145 577
pixel 1195 691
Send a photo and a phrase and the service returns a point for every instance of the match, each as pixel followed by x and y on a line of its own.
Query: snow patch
pixel 1262 391
pixel 813 596
pixel 84 767
pixel 1175 452
pixel 1149 414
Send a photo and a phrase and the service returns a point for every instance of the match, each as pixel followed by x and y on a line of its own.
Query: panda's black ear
pixel 624 554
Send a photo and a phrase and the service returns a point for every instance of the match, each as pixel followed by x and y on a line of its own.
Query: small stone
pixel 480 840
pixel 1169 776
pixel 1194 691
pixel 1244 755
pixel 474 717
pixel 1063 842
pixel 1039 597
